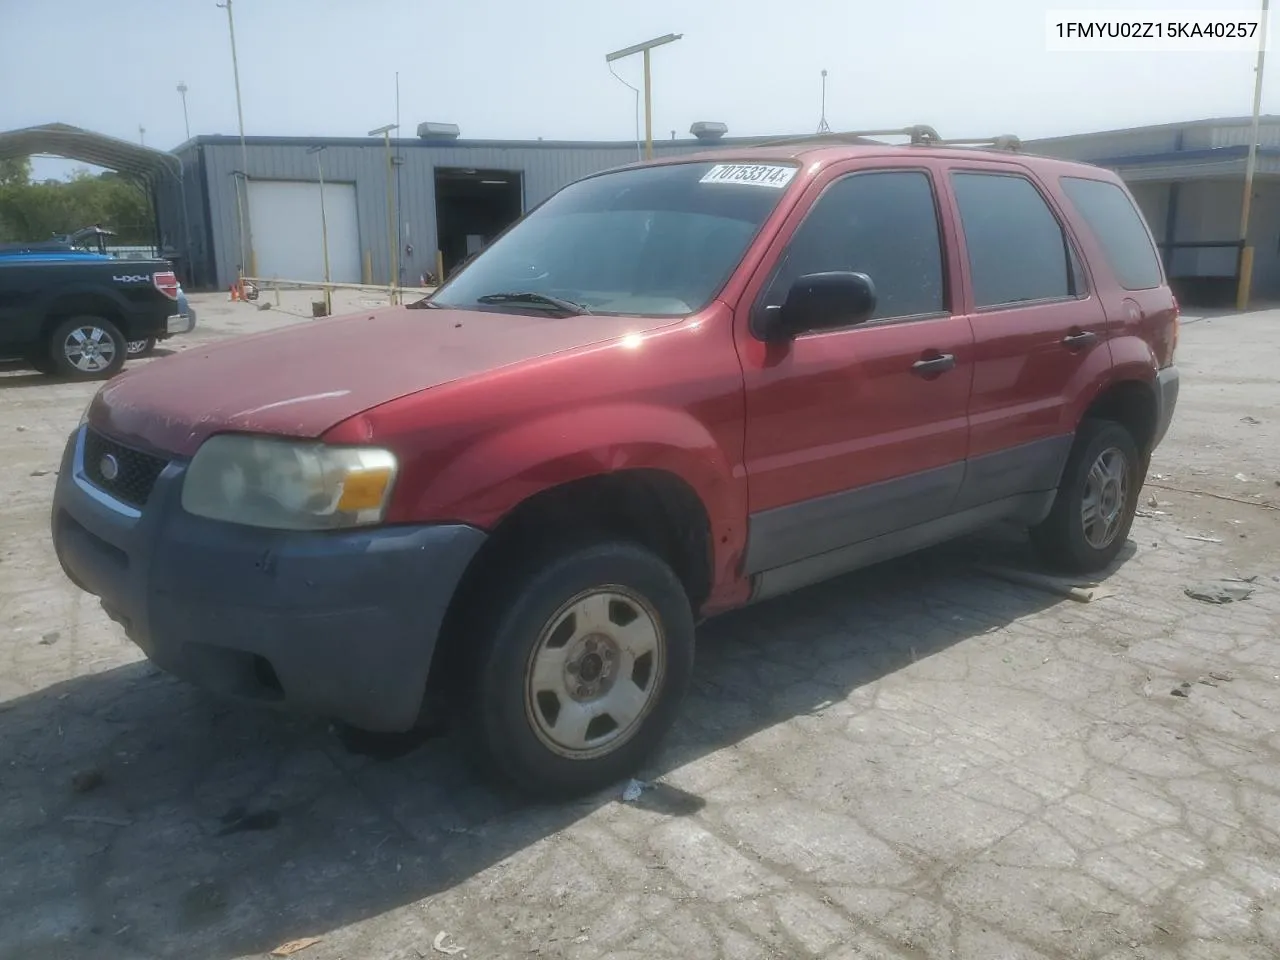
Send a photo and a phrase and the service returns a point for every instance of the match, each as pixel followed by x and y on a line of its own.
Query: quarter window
pixel 883 224
pixel 1017 249
pixel 1119 229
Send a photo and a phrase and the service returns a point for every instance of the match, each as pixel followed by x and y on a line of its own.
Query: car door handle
pixel 933 365
pixel 1079 340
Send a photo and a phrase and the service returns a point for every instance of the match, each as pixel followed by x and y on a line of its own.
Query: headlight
pixel 288 484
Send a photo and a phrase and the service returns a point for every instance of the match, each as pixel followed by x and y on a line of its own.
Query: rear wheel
pixel 87 348
pixel 140 348
pixel 582 670
pixel 1096 499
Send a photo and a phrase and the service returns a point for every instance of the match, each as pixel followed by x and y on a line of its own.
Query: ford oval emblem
pixel 109 466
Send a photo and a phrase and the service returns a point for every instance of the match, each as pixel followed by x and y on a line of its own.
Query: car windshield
pixel 653 241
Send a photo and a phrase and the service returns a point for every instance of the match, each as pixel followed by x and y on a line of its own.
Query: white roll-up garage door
pixel 284 217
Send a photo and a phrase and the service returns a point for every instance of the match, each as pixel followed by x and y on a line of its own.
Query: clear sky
pixel 521 69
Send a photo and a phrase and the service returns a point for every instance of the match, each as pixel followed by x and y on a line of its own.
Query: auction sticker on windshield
pixel 756 174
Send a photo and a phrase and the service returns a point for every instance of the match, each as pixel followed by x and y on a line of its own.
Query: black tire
pixel 1062 541
pixel 135 349
pixel 507 722
pixel 102 332
pixel 40 361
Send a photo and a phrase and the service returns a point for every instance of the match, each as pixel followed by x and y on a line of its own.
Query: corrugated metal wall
pixel 544 169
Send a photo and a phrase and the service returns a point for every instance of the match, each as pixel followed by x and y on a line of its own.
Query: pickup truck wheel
pixel 140 348
pixel 1093 511
pixel 582 671
pixel 87 348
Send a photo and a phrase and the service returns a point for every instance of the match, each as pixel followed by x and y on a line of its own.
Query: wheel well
pixel 82 304
pixel 1132 404
pixel 652 508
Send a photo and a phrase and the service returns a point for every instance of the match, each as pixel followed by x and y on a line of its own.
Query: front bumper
pixel 340 624
pixel 1167 383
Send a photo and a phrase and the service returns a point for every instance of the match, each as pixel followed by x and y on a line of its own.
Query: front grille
pixel 135 471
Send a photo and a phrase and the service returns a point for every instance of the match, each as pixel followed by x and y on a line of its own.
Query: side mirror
pixel 821 301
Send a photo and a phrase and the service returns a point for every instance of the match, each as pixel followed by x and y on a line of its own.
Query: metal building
pixel 446 194
pixel 452 195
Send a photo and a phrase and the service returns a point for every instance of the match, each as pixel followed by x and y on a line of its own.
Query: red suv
pixel 670 390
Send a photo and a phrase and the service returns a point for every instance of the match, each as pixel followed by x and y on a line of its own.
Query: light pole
pixel 246 254
pixel 393 251
pixel 186 122
pixel 644 48
pixel 324 232
pixel 1246 251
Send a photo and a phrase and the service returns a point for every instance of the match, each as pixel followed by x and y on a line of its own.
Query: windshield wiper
pixel 535 300
pixel 424 304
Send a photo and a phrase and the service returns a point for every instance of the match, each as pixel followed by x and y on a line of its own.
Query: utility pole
pixel 393 251
pixel 1246 252
pixel 186 122
pixel 644 49
pixel 245 240
pixel 324 233
pixel 142 135
pixel 823 126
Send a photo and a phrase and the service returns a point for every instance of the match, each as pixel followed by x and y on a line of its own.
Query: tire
pixel 41 362
pixel 103 359
pixel 1064 540
pixel 565 622
pixel 139 348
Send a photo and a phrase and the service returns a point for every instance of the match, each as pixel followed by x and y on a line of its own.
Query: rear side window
pixel 883 224
pixel 1119 228
pixel 1017 250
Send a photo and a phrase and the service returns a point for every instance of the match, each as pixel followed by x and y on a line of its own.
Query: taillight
pixel 167 283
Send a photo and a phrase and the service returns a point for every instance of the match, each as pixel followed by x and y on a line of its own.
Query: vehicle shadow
pixel 140 817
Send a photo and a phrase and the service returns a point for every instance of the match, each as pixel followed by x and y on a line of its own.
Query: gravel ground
pixel 918 761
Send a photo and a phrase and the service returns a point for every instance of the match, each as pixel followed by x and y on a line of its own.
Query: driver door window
pixel 883 224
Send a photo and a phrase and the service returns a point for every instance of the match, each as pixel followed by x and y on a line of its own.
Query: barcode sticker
pixel 755 174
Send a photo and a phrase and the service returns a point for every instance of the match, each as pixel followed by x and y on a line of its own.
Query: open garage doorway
pixel 473 207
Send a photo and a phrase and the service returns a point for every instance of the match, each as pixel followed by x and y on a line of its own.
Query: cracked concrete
pixel 917 761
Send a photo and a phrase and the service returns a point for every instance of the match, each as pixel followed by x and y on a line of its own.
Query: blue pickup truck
pixel 68 308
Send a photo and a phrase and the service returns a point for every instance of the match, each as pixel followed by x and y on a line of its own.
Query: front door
pixel 856 432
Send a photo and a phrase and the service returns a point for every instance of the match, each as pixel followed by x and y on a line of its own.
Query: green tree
pixel 38 211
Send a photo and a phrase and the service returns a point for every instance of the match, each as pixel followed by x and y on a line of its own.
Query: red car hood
pixel 304 379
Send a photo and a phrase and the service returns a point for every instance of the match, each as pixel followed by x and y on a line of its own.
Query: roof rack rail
pixel 1006 141
pixel 918 133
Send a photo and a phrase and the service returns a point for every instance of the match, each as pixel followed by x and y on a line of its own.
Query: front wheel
pixel 583 670
pixel 87 348
pixel 1096 499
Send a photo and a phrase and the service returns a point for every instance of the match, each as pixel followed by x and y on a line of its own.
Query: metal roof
pixel 63 140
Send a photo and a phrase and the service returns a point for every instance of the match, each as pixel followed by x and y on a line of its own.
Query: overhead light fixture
pixel 496 183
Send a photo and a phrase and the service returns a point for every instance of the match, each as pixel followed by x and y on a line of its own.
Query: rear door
pixel 856 432
pixel 1039 331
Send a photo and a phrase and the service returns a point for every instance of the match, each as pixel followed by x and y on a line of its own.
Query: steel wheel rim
pixel 89 349
pixel 134 347
pixel 1106 496
pixel 595 672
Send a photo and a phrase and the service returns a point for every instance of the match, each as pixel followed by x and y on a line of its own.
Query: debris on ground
pixel 87 780
pixel 1242 478
pixel 441 944
pixel 631 793
pixel 293 946
pixel 1252 421
pixel 1202 539
pixel 50 638
pixel 1152 501
pixel 1081 592
pixel 261 820
pixel 104 821
pixel 264 305
pixel 1220 591
pixel 1181 690
pixel 40 473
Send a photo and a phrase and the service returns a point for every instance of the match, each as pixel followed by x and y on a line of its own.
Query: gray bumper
pixel 341 625
pixel 1166 400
